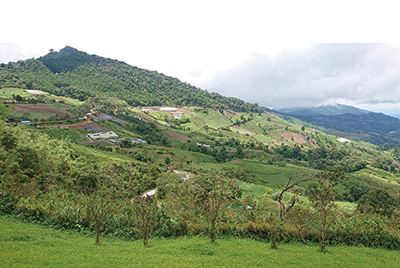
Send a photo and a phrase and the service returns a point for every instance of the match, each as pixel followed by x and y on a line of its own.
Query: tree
pixel 322 197
pixel 378 201
pixel 144 212
pixel 167 160
pixel 217 193
pixel 293 181
pixel 98 207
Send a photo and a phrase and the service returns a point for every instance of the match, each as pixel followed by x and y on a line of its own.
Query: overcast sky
pixel 275 53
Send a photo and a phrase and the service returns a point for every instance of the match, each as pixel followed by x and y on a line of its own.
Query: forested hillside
pixel 76 74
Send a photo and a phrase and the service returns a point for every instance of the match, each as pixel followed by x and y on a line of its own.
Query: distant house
pixel 177 115
pixel 25 122
pixel 342 140
pixel 117 141
pixel 137 140
pixel 168 109
pixel 102 135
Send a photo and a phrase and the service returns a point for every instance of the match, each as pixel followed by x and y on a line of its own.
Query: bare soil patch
pixel 79 126
pixel 236 127
pixel 39 108
pixel 177 136
pixel 295 137
pixel 229 114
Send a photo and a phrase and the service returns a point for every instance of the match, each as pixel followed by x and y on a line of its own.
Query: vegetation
pixel 213 171
pixel 76 74
pixel 30 245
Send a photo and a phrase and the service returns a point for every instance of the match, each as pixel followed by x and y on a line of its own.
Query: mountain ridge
pixel 336 109
pixel 70 70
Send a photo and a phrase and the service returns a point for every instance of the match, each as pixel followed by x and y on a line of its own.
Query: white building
pixel 102 135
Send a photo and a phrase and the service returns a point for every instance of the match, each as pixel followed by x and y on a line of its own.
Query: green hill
pixel 52 173
pixel 76 74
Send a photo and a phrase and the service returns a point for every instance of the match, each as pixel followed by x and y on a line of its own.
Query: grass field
pixel 8 92
pixel 29 245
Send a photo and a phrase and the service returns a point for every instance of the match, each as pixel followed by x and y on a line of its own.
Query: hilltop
pixel 76 74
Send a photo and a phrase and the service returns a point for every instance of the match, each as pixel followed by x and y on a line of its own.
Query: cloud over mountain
pixel 355 74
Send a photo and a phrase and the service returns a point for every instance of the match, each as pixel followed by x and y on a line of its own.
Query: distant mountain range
pixel 328 110
pixel 348 121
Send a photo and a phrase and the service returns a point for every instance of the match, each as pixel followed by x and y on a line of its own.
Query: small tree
pixel 98 208
pixel 292 182
pixel 322 196
pixel 217 193
pixel 144 212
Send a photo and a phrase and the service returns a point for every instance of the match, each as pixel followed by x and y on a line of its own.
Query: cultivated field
pixel 41 111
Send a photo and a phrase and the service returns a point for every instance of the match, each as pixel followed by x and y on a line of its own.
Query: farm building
pixel 117 141
pixel 342 140
pixel 177 115
pixel 102 135
pixel 168 109
pixel 137 140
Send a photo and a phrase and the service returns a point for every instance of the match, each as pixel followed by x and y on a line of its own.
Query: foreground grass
pixel 29 245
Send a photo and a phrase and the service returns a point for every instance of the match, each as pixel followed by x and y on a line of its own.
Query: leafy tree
pixel 98 207
pixel 322 197
pixel 217 192
pixel 378 201
pixel 144 212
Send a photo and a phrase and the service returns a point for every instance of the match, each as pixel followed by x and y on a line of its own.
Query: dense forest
pixel 76 74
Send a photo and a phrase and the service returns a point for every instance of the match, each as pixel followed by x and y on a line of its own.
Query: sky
pixel 274 53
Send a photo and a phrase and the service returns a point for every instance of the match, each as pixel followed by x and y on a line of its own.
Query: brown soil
pixel 79 126
pixel 39 108
pixel 177 136
pixel 235 127
pixel 229 114
pixel 295 137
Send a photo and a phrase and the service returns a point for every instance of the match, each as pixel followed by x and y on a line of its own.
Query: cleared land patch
pixel 177 136
pixel 83 125
pixel 40 108
pixel 295 137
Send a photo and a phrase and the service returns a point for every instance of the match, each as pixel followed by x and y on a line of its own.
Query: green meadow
pixel 31 245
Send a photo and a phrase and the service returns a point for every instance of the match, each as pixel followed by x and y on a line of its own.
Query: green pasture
pixel 30 245
pixel 61 134
pixel 66 100
pixel 7 93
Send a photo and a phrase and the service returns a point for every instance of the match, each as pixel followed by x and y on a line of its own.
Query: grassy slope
pixel 29 245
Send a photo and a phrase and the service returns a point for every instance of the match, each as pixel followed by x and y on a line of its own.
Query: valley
pixel 82 156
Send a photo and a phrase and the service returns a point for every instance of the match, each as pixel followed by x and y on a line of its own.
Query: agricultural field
pixel 41 111
pixel 7 93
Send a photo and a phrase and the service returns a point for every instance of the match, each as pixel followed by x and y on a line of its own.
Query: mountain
pixel 343 120
pixel 72 73
pixel 328 110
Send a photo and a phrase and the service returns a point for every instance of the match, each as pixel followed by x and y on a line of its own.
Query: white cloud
pixel 321 73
